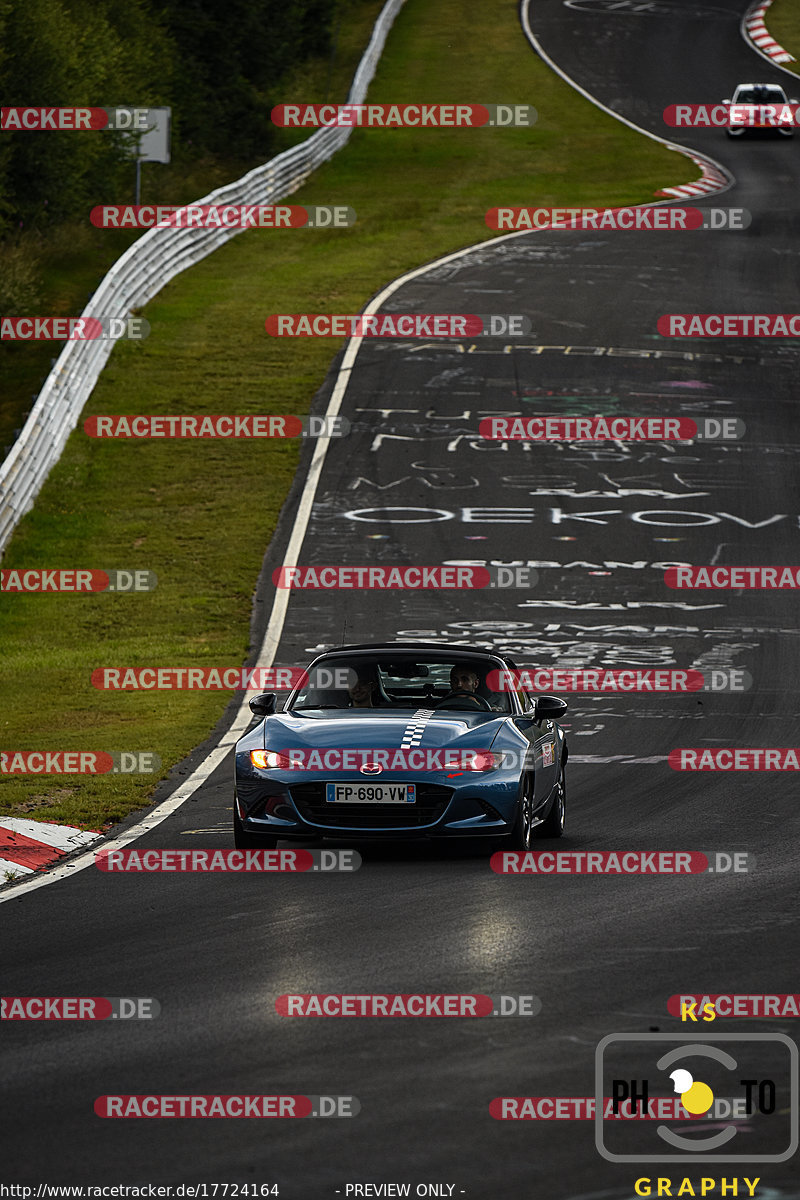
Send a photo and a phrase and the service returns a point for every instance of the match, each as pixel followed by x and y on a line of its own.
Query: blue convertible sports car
pixel 403 740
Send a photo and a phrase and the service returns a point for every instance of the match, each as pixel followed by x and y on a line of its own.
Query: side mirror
pixel 550 708
pixel 727 101
pixel 263 705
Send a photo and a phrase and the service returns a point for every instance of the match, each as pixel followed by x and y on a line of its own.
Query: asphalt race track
pixel 414 483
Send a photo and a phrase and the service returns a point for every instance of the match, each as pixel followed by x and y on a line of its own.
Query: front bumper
pixel 444 808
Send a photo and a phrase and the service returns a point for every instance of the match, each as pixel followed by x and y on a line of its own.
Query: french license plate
pixel 371 793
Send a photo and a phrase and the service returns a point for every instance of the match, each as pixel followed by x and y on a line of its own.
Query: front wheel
pixel 555 822
pixel 522 833
pixel 243 840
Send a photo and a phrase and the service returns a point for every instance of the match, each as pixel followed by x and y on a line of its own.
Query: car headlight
pixel 270 760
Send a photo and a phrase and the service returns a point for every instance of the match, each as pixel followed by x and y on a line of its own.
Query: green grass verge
pixel 783 22
pixel 200 514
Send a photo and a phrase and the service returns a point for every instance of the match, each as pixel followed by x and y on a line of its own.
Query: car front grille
pixel 431 802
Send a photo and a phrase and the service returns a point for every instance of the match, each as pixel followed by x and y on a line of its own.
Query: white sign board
pixel 154 141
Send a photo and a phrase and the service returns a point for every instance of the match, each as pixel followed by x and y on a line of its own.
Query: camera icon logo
pixel 726 1082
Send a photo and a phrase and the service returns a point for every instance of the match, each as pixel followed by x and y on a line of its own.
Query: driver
pixel 464 682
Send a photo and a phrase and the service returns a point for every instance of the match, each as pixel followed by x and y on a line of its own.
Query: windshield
pixel 383 684
pixel 765 94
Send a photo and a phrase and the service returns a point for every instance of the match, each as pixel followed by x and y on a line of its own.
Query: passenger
pixel 362 691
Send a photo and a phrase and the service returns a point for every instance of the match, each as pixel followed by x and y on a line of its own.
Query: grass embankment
pixel 783 22
pixel 200 514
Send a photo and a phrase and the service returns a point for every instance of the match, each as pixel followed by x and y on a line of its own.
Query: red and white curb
pixel 711 180
pixel 715 177
pixel 758 34
pixel 28 846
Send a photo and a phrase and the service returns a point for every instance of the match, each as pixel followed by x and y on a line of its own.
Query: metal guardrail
pixel 151 262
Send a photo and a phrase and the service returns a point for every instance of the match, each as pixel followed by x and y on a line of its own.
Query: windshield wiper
pixel 305 707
